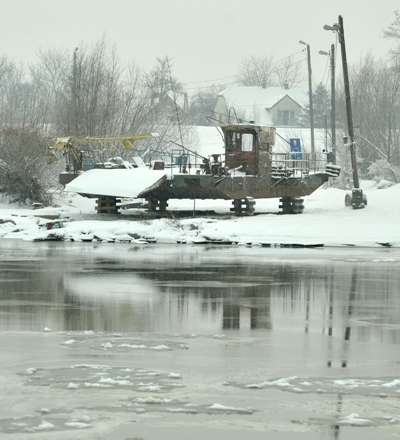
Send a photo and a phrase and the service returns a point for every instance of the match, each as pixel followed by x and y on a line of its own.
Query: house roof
pixel 260 97
pixel 255 103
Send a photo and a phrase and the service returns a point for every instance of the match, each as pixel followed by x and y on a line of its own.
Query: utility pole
pixel 75 93
pixel 357 199
pixel 331 55
pixel 310 96
pixel 311 103
pixel 333 104
pixel 349 112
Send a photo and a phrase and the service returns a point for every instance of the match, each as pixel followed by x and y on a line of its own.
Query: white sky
pixel 205 39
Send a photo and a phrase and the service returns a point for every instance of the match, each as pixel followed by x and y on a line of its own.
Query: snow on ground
pixel 325 220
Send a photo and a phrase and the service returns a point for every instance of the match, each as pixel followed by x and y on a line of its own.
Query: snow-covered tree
pixel 383 170
pixel 321 108
pixel 24 174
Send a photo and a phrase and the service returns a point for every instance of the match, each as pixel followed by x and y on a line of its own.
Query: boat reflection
pixel 190 291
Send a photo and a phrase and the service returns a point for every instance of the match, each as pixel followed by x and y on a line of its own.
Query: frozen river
pixel 116 342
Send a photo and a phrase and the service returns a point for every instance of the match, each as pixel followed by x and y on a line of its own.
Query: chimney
pixel 264 84
pixel 286 85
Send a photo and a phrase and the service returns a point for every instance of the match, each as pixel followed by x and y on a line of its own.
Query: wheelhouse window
pixel 247 142
pixel 240 141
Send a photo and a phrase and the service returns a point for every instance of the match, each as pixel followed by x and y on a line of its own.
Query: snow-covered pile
pixel 325 220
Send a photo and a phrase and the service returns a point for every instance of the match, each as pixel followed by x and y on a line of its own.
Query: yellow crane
pixel 83 153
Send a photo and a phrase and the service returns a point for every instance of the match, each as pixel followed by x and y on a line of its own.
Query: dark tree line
pixel 87 92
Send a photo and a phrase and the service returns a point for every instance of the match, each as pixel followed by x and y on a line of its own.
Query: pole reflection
pixel 192 291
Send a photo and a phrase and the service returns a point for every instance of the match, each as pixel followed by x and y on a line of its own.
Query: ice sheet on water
pixel 360 386
pixel 82 376
pixel 78 425
pixel 159 404
pixel 393 383
pixel 44 426
pixel 366 260
pixel 51 423
pixel 355 420
pixel 120 343
pixel 219 407
pixel 69 342
pixel 160 347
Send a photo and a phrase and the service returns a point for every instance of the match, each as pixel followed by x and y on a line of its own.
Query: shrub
pixel 383 170
pixel 24 174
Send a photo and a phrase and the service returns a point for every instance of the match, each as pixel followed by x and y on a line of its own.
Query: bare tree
pixel 135 103
pixel 256 71
pixel 89 104
pixel 49 76
pixel 393 33
pixel 202 104
pixel 160 81
pixel 375 87
pixel 289 72
pixel 85 92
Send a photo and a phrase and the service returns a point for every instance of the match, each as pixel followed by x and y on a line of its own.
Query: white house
pixel 279 106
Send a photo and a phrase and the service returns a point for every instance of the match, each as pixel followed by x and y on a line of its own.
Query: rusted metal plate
pixel 226 187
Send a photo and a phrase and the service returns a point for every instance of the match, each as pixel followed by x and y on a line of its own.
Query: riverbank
pixel 325 221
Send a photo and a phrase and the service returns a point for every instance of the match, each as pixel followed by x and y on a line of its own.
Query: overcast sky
pixel 206 39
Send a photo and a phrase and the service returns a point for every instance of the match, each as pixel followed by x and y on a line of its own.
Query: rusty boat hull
pixel 180 186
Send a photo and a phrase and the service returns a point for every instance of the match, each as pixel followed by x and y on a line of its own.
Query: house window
pixel 286 117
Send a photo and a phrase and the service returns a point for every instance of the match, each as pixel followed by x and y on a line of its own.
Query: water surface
pixel 198 339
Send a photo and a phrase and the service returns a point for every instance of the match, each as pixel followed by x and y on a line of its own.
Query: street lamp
pixel 75 92
pixel 331 56
pixel 357 200
pixel 311 101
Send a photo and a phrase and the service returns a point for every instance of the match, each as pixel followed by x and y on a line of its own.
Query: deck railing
pixel 297 164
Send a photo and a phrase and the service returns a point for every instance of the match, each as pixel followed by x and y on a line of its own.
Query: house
pixel 279 106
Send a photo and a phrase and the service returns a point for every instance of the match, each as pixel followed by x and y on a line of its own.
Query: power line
pixel 209 80
pixel 235 76
pixel 289 56
pixel 207 87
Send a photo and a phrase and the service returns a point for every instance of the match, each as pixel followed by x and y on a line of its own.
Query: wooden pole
pixel 350 126
pixel 310 92
pixel 333 104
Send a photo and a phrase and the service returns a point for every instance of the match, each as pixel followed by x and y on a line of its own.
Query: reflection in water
pixel 255 314
pixel 352 294
pixel 336 427
pixel 187 289
pixel 348 315
pixel 250 321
